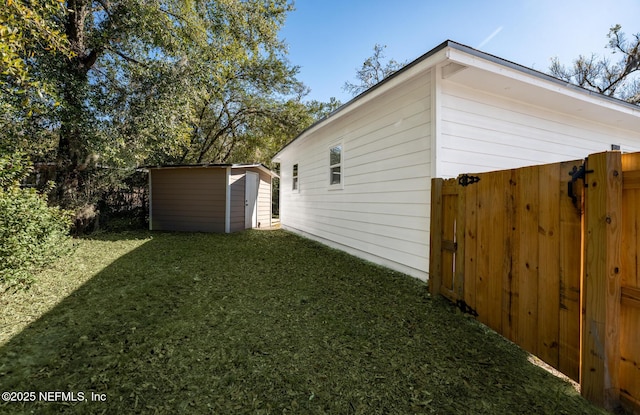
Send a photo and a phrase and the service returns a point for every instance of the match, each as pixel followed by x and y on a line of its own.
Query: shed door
pixel 252 181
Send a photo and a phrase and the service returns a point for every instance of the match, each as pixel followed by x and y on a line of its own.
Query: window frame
pixel 295 178
pixel 340 166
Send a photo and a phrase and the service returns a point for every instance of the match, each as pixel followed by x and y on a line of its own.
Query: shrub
pixel 32 234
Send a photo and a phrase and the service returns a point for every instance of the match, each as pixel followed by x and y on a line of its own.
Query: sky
pixel 330 39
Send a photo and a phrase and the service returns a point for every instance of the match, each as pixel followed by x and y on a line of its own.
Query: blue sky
pixel 329 39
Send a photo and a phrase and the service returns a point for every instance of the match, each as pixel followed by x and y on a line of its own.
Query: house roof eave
pixel 449 49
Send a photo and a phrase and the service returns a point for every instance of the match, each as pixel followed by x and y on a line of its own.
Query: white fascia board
pixel 529 76
pixel 258 166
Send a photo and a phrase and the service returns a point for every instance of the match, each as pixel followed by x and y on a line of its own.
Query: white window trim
pixel 337 186
pixel 295 179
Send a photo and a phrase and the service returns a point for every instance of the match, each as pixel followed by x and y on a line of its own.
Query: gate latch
pixel 576 174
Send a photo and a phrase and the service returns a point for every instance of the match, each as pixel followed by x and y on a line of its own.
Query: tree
pixel 616 79
pixel 125 52
pixel 372 72
pixel 155 81
pixel 237 103
pixel 319 110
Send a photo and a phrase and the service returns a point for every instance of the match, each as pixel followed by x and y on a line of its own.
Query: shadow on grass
pixel 266 322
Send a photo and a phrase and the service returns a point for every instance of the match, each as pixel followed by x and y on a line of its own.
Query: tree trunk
pixel 73 120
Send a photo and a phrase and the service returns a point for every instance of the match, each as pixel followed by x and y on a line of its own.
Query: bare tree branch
pixel 600 75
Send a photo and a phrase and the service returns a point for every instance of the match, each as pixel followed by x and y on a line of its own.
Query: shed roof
pixel 472 67
pixel 258 166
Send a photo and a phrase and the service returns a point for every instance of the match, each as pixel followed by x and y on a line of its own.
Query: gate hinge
pixel 465 308
pixel 466 180
pixel 449 246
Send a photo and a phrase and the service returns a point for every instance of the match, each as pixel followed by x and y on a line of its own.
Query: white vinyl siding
pixel 382 212
pixel 453 112
pixel 482 132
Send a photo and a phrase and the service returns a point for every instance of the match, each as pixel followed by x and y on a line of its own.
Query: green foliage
pixel 13 169
pixel 24 27
pixel 32 234
pixel 29 31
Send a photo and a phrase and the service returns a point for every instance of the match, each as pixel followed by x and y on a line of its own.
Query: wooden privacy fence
pixel 549 257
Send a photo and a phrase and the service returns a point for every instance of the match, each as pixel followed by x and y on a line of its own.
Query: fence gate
pixel 449 227
pixel 549 257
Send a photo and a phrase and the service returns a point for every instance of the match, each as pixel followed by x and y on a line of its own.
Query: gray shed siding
pixel 188 199
pixel 236 181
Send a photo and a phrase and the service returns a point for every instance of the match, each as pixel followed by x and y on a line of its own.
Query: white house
pixel 359 180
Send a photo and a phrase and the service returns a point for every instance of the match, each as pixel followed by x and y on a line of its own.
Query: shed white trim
pixel 227 211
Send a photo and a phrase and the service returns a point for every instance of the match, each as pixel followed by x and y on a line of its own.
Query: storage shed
pixel 210 198
pixel 360 179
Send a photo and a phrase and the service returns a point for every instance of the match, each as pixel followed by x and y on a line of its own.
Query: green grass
pixel 259 322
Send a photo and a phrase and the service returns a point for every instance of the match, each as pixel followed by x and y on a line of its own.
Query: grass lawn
pixel 259 322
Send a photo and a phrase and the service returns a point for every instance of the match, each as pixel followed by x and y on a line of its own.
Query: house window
pixel 295 177
pixel 335 165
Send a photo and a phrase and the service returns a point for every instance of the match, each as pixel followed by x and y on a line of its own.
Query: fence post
pixel 435 244
pixel 601 285
pixel 461 216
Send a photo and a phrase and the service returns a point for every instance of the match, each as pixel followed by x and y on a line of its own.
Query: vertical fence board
pixel 448 232
pixel 630 354
pixel 601 331
pixel 497 243
pixel 435 243
pixel 527 207
pixel 460 241
pixel 494 240
pixel 549 263
pixel 510 288
pixel 470 245
pixel 570 310
pixel 629 258
pixel 484 250
pixel 630 282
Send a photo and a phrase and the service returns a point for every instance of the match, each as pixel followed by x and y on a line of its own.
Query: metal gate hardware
pixel 465 308
pixel 466 180
pixel 449 246
pixel 576 174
